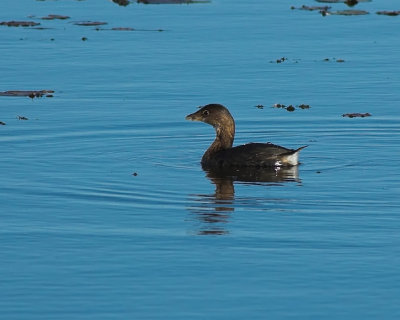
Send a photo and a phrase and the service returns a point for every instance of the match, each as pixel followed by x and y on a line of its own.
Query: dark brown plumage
pixel 222 154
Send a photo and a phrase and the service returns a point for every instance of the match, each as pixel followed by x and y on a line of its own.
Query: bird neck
pixel 223 140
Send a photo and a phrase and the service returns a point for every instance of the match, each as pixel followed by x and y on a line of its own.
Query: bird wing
pixel 253 154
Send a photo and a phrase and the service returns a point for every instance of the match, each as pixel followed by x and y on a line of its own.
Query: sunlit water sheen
pixel 105 210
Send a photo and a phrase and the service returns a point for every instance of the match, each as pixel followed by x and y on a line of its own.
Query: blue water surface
pixel 105 210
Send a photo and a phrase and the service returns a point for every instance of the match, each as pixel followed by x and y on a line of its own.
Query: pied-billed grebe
pixel 222 154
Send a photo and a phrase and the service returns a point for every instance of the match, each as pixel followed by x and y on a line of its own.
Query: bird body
pixel 222 154
pixel 254 155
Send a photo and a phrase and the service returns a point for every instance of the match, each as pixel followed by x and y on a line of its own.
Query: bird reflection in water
pixel 213 211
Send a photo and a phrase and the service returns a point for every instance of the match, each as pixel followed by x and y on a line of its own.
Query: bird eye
pixel 206 113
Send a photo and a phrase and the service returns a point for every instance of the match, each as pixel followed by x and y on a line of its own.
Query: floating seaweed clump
pixel 55 17
pixel 171 1
pixel 280 60
pixel 356 115
pixel 389 13
pixel 334 59
pixel 122 2
pixel 325 10
pixel 291 108
pixel 350 3
pixel 19 23
pixel 128 29
pixel 127 2
pixel 345 12
pixel 279 106
pixel 122 29
pixel 285 59
pixel 312 8
pixel 27 93
pixel 90 23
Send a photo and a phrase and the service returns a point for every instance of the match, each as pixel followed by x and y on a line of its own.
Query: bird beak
pixel 196 116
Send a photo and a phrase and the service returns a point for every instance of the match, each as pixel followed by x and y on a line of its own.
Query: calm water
pixel 83 238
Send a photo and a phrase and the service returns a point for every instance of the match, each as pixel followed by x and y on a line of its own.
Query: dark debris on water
pixel 172 1
pixel 285 59
pixel 128 29
pixel 19 23
pixel 312 8
pixel 356 115
pixel 345 12
pixel 280 60
pixel 124 3
pixel 291 108
pixel 334 59
pixel 90 23
pixel 122 29
pixel 55 17
pixel 326 10
pixel 350 3
pixel 27 93
pixel 389 13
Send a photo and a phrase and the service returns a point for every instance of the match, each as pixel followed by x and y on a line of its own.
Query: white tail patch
pixel 292 159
